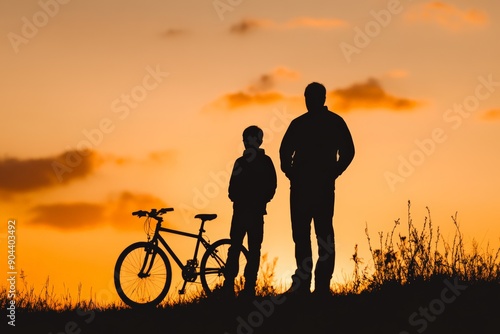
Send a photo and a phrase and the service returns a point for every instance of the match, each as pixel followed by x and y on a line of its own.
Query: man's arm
pixel 286 151
pixel 346 150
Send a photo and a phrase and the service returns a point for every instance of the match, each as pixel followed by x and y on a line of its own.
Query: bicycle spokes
pixel 213 266
pixel 142 275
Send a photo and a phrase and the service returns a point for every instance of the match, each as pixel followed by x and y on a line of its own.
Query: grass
pixel 421 255
pixel 410 267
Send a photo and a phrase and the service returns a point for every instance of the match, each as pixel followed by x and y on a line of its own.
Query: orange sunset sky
pixel 114 106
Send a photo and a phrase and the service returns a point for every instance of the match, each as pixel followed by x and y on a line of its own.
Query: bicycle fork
pixel 149 260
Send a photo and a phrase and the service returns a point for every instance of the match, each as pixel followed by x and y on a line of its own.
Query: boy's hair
pixel 253 136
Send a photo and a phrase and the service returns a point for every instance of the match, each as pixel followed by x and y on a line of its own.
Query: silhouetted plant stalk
pixel 28 299
pixel 421 256
pixel 266 278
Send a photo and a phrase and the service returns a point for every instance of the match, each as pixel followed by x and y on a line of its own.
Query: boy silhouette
pixel 251 186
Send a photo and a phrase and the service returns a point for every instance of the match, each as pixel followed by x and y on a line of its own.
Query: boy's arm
pixel 286 151
pixel 233 188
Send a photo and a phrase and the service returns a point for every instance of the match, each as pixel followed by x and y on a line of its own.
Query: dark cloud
pixel 261 91
pixel 24 175
pixel 174 32
pixel 368 95
pixel 68 216
pixel 246 25
pixel 365 95
pixel 120 208
pixel 268 81
pixel 116 211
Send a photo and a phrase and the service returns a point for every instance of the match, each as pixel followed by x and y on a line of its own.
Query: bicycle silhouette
pixel 143 273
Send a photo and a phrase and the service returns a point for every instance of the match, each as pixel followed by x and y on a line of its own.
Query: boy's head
pixel 253 136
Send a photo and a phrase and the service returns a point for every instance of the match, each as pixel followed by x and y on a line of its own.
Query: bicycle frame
pixel 199 237
pixel 157 237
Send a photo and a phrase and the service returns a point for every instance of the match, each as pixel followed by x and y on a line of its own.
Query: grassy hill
pixel 417 283
pixel 421 308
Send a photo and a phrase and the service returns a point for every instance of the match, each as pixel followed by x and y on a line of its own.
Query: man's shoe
pixel 321 294
pixel 227 289
pixel 247 293
pixel 298 291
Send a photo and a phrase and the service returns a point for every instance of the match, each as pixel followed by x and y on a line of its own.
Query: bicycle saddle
pixel 206 216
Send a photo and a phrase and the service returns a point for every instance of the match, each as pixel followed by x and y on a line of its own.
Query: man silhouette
pixel 316 148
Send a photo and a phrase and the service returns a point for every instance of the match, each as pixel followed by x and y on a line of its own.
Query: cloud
pixel 447 16
pixel 364 95
pixel 168 156
pixel 261 91
pixel 165 156
pixel 68 216
pixel 397 74
pixel 268 81
pixel 174 32
pixel 27 175
pixel 241 99
pixel 120 208
pixel 368 95
pixel 115 211
pixel 491 115
pixel 24 175
pixel 308 22
pixel 247 25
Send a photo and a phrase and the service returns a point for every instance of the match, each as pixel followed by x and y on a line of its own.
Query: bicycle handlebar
pixel 153 213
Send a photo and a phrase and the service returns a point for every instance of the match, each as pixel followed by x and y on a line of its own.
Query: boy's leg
pixel 255 234
pixel 236 234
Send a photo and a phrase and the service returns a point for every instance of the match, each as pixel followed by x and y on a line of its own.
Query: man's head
pixel 253 136
pixel 315 95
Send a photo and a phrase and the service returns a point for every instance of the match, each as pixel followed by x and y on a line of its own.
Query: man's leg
pixel 323 226
pixel 301 216
pixel 255 234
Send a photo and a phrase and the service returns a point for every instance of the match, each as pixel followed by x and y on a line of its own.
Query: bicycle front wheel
pixel 213 264
pixel 142 275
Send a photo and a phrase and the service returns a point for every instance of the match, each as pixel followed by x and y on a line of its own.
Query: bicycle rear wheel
pixel 213 264
pixel 142 275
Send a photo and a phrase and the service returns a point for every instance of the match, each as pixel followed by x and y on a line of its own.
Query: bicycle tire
pixel 147 291
pixel 213 263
